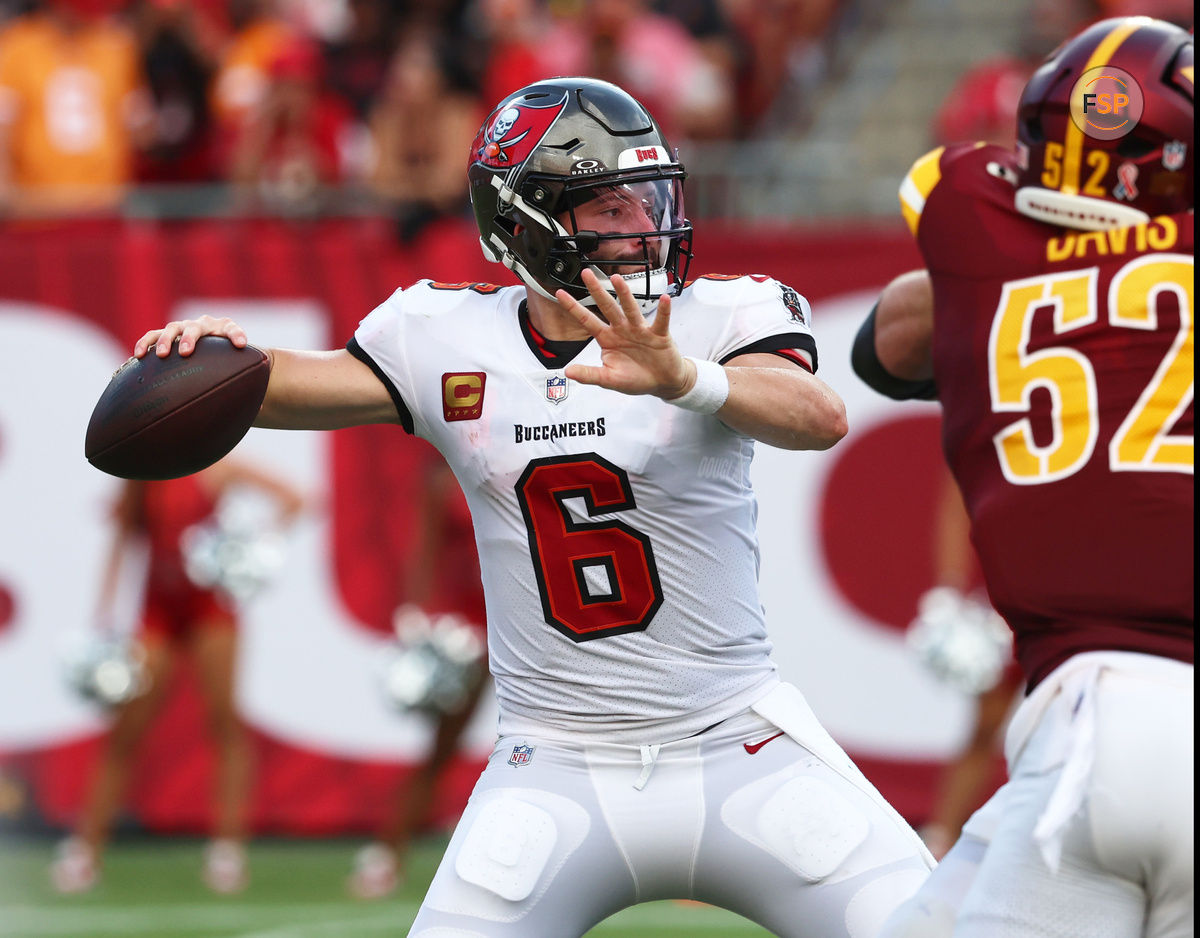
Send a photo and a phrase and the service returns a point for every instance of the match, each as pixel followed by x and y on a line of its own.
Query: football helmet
pixel 573 173
pixel 1068 177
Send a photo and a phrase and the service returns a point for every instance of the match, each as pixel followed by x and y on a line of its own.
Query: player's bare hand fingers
pixel 629 306
pixel 585 374
pixel 209 325
pixel 143 344
pixel 584 316
pixel 609 308
pixel 662 318
pixel 166 338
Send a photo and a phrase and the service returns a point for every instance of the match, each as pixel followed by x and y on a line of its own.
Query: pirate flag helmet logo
pixel 514 130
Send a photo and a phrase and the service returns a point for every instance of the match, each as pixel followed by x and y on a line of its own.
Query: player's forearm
pixel 322 391
pixel 784 407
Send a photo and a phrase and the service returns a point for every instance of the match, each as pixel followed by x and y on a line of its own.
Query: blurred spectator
pixel 422 128
pixel 298 140
pixel 176 614
pixel 179 45
pixel 716 39
pixel 512 32
pixel 73 109
pixel 243 76
pixel 655 58
pixel 785 58
pixel 12 8
pixel 443 577
pixel 357 62
pixel 983 103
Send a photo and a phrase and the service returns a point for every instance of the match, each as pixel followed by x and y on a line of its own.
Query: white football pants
pixel 1092 837
pixel 558 836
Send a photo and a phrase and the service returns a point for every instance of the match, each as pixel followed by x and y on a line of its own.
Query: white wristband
pixel 709 393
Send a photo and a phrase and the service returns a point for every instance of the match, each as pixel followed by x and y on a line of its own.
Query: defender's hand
pixel 636 357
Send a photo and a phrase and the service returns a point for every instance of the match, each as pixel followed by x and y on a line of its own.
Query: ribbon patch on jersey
pixel 521 755
pixel 462 395
pixel 556 389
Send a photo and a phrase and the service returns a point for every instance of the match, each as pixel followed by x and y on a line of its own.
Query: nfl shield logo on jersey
pixel 556 388
pixel 521 755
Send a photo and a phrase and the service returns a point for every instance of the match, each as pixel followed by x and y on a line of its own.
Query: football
pixel 162 418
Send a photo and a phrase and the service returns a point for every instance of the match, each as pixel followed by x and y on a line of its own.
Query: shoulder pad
pixel 924 177
pixel 436 297
pixel 724 288
pixel 745 291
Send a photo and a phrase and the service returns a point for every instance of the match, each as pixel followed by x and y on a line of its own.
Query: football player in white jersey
pixel 647 748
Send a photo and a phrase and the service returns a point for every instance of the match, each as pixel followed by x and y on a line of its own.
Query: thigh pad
pixel 803 821
pixel 507 847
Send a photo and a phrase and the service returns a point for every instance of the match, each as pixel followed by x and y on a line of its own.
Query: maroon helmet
pixel 1125 154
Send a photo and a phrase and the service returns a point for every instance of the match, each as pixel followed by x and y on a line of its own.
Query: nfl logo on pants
pixel 520 755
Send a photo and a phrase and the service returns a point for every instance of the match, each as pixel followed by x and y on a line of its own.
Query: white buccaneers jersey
pixel 616 533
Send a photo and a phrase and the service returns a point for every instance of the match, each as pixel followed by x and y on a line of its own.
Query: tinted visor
pixel 626 226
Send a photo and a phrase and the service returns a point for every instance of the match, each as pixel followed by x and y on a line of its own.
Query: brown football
pixel 162 418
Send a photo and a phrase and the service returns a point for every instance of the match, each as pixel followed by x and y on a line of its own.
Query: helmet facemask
pixel 629 224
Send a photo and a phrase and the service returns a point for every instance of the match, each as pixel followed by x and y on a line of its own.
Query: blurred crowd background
pixel 788 109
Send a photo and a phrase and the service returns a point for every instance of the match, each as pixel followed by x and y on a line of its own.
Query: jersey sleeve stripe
pixel 1073 146
pixel 800 342
pixel 793 355
pixel 920 181
pixel 406 419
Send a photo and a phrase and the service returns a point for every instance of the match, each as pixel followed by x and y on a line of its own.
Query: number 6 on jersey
pixel 595 578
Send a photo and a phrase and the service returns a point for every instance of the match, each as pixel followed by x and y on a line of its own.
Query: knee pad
pixel 507 848
pixel 805 822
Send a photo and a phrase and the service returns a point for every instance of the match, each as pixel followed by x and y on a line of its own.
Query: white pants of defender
pixel 799 842
pixel 1092 837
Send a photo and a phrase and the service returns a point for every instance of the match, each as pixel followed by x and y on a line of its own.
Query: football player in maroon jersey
pixel 1053 321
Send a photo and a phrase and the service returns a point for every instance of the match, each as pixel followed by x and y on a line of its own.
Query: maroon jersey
pixel 1064 365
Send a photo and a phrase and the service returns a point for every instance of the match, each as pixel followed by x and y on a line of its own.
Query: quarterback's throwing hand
pixel 636 357
pixel 187 331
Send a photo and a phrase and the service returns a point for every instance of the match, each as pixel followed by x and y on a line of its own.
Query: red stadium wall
pixel 124 276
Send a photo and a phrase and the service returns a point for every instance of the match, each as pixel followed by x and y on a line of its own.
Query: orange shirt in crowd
pixel 69 105
pixel 245 69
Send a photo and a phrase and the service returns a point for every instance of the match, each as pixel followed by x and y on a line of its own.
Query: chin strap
pixel 1076 211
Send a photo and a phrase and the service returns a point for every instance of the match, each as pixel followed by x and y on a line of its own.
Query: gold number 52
pixel 1142 443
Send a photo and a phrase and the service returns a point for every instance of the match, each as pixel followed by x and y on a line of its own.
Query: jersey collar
pixel 551 353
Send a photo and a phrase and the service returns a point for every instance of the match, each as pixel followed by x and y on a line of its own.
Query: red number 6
pixel 596 579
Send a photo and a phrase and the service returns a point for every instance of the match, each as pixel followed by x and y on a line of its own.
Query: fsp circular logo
pixel 1106 103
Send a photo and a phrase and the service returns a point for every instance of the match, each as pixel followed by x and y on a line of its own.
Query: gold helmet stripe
pixel 1073 157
